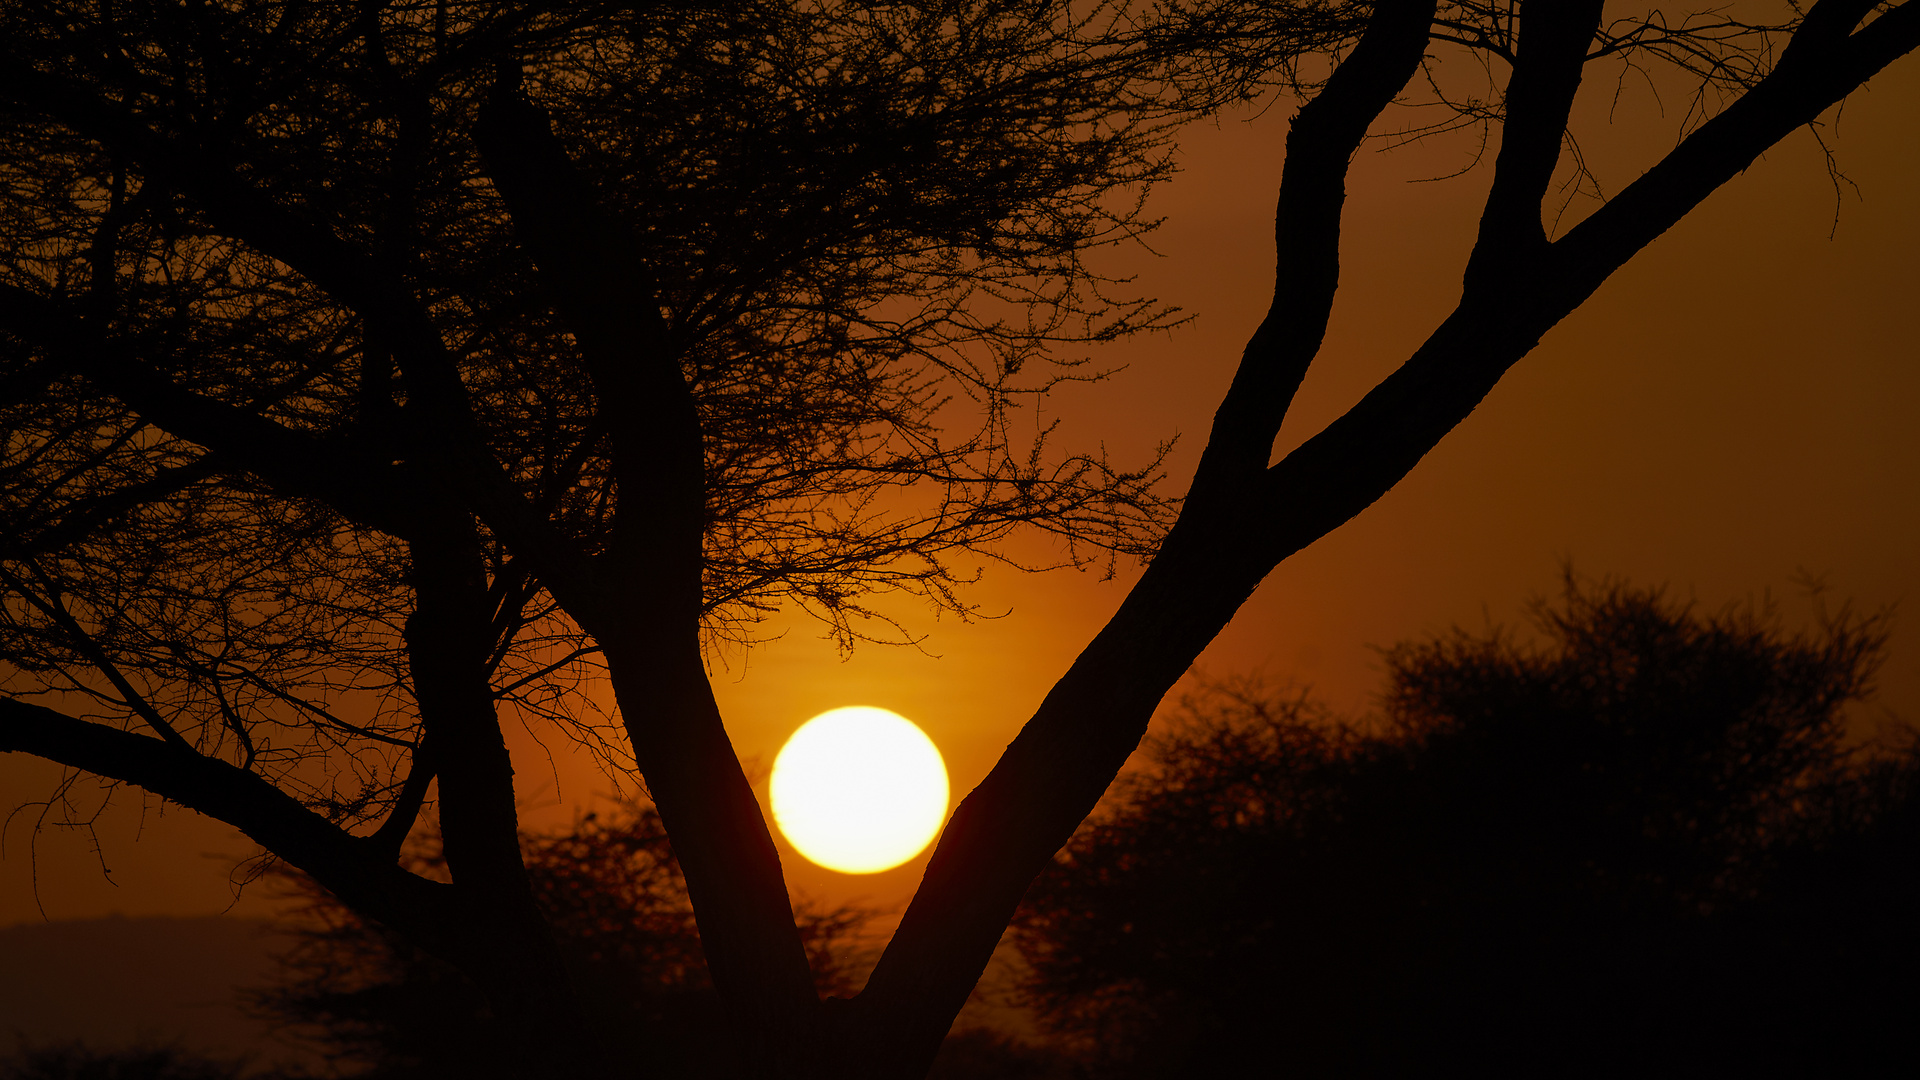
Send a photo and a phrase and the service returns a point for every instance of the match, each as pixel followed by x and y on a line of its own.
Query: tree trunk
pixel 505 944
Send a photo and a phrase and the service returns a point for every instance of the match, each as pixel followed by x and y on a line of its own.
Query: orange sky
pixel 1733 407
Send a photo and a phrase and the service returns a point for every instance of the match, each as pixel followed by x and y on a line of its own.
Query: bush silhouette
pixel 614 895
pixel 1639 842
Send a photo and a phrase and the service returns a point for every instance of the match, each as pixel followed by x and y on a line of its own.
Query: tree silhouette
pixel 1641 838
pixel 373 369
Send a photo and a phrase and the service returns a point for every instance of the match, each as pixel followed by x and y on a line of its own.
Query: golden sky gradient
pixel 1734 407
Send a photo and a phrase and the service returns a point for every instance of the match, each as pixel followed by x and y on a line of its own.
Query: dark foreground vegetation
pixel 1643 840
pixel 1640 843
pixel 617 900
pixel 382 1009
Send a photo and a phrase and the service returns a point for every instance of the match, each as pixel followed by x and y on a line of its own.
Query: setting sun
pixel 859 790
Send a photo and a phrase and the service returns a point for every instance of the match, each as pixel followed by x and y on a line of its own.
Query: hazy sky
pixel 1734 407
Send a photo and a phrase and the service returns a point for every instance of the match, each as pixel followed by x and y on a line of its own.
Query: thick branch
pixel 591 265
pixel 593 270
pixel 335 470
pixel 720 836
pixel 1051 776
pixel 1053 773
pixel 1313 191
pixel 342 863
pixel 1360 456
pixel 1554 36
pixel 391 837
pixel 449 640
pixel 1822 65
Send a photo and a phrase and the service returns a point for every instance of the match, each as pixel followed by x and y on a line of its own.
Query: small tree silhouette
pixel 1624 842
pixel 617 903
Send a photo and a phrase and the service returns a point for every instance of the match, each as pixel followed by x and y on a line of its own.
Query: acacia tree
pixel 372 370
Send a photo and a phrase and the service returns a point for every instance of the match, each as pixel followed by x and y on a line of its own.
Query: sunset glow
pixel 859 790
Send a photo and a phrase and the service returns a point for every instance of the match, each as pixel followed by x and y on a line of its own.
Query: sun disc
pixel 859 790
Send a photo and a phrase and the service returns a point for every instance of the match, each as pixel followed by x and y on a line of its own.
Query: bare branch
pixel 1320 146
pixel 344 864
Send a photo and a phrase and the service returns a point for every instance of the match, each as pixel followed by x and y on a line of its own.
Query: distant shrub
pixel 1641 839
pixel 614 895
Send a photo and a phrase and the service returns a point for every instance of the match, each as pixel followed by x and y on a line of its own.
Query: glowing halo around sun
pixel 859 790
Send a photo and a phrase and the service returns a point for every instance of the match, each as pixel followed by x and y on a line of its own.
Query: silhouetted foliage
pixel 1640 838
pixel 617 904
pixel 381 1009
